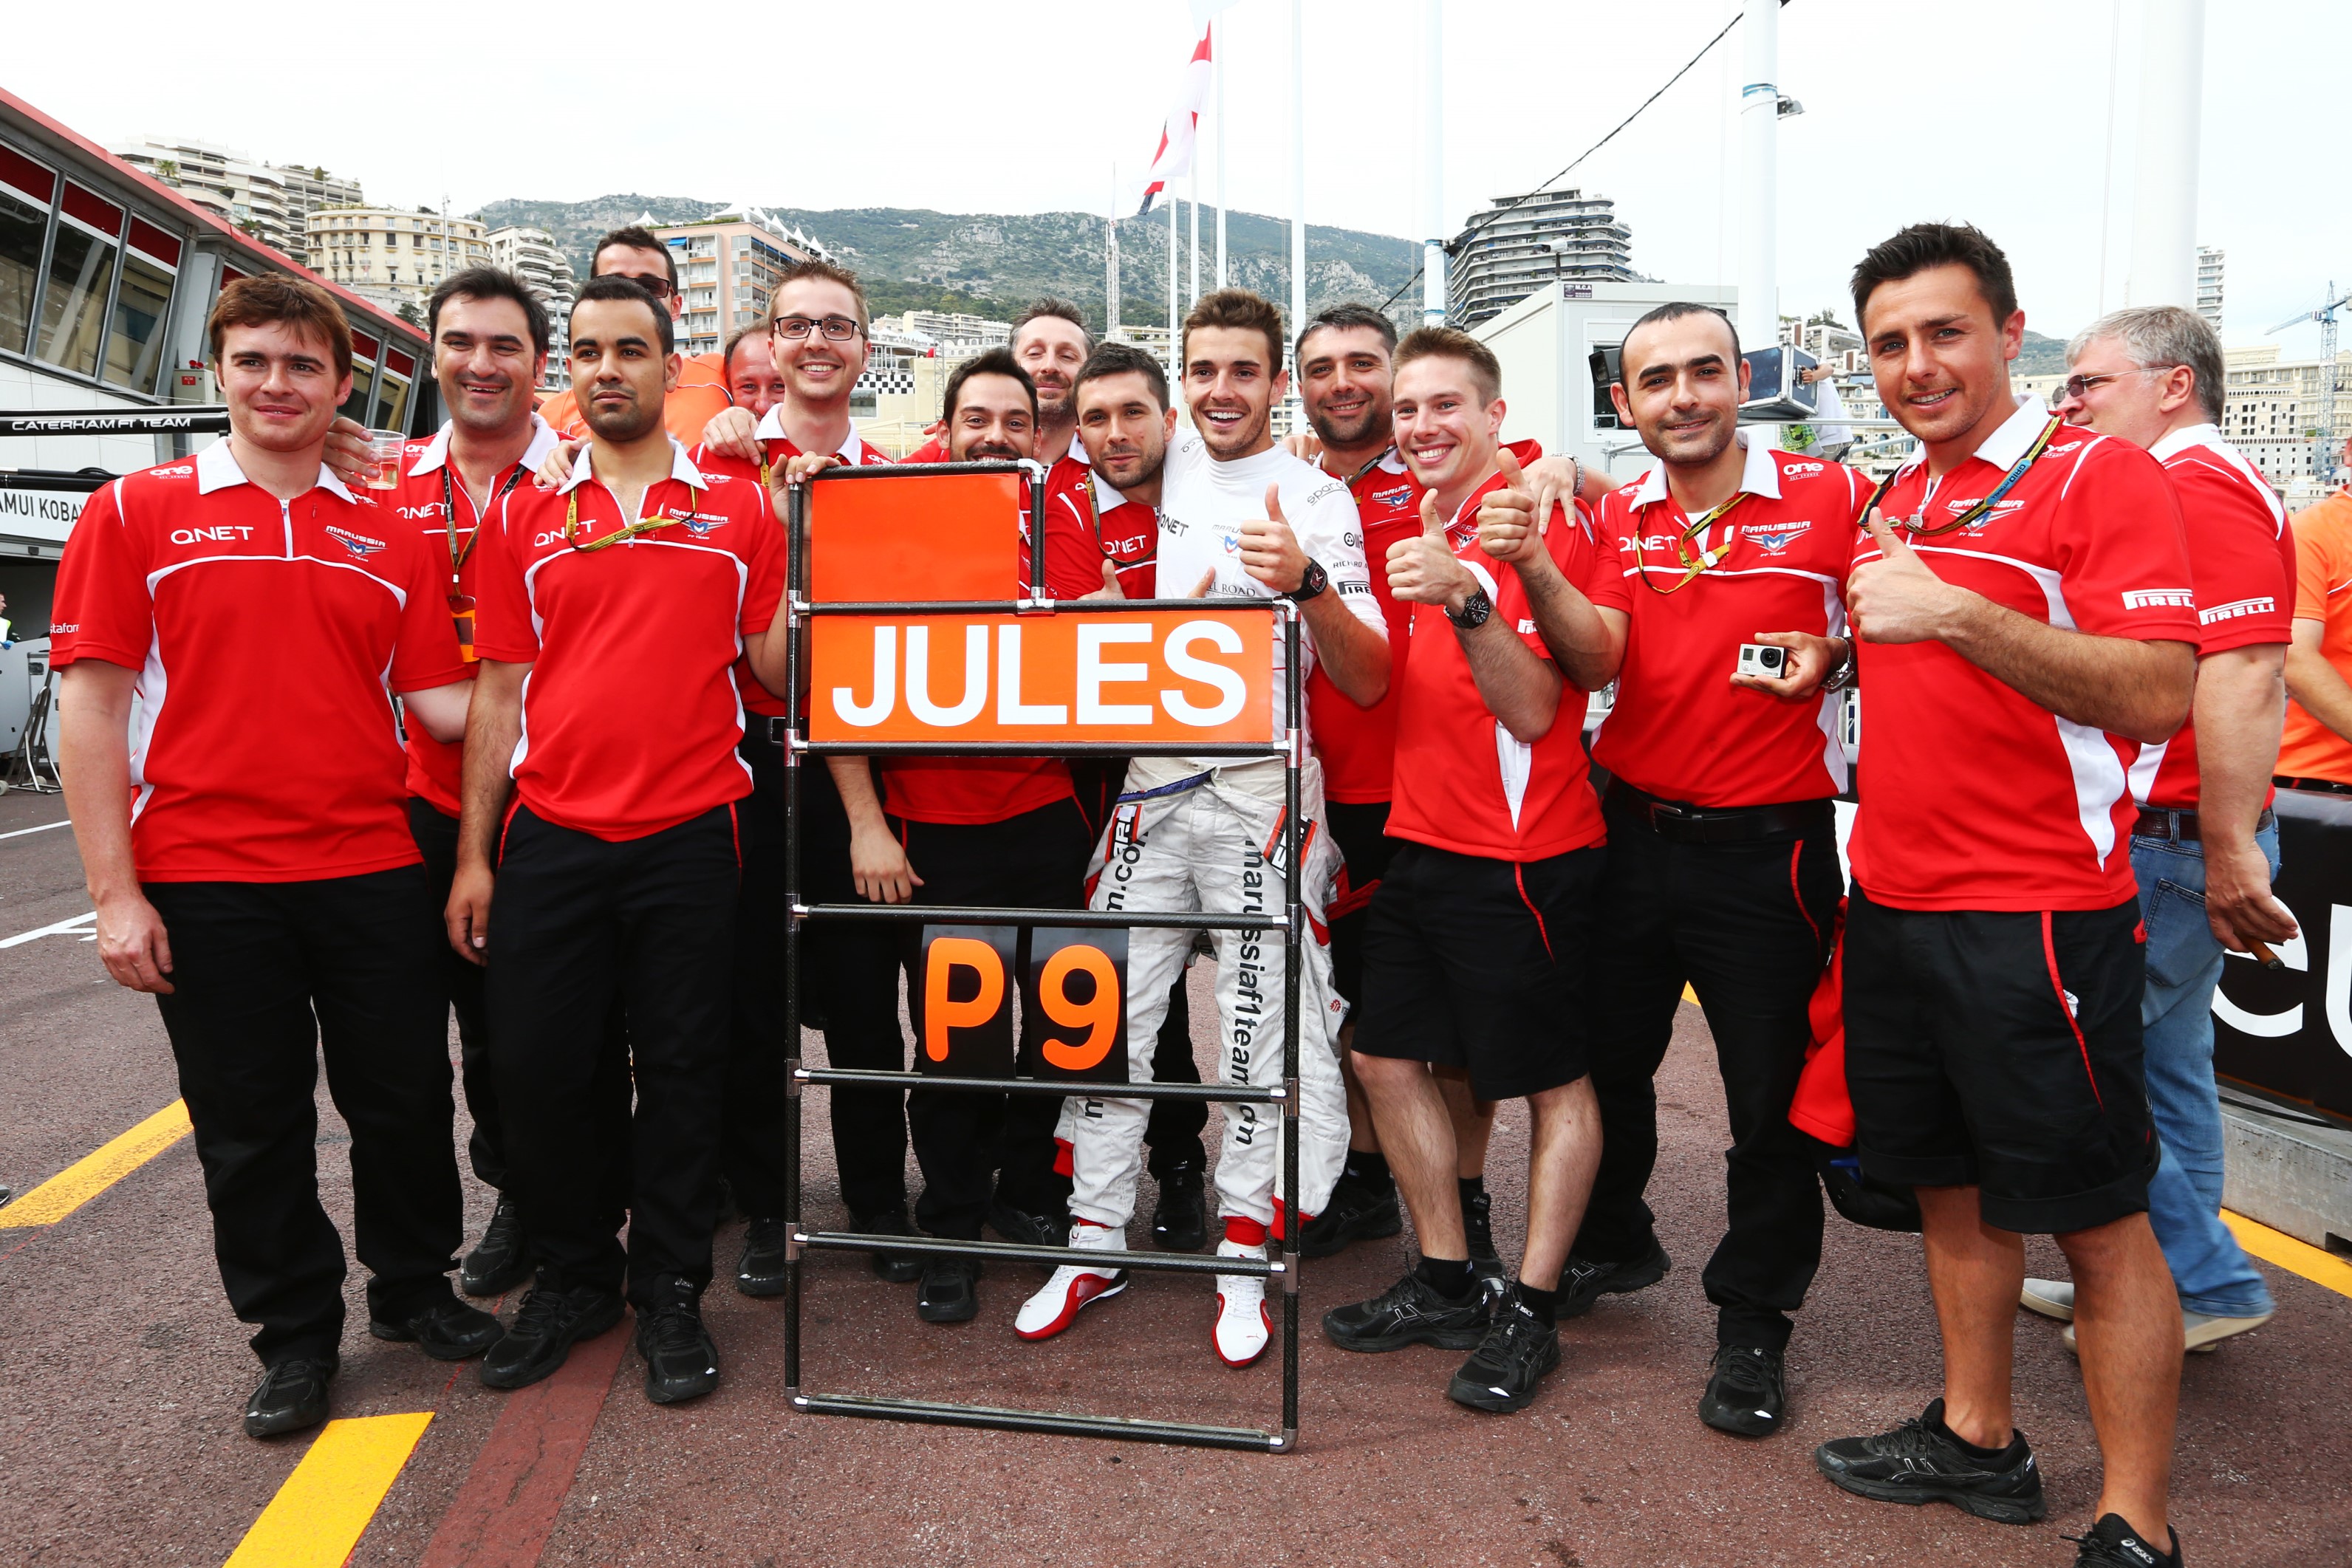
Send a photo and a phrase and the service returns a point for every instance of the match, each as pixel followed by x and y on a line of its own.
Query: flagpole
pixel 1217 66
pixel 1194 179
pixel 1297 182
pixel 1432 189
pixel 1112 331
pixel 1174 315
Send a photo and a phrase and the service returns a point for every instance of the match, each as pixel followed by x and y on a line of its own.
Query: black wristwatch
pixel 1474 611
pixel 1311 582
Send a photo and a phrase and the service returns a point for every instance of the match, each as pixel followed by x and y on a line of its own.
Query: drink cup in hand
pixel 383 450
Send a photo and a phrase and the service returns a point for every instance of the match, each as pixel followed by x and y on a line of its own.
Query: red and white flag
pixel 1184 124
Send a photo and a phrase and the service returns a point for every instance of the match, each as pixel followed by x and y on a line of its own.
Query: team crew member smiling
pixel 615 873
pixel 267 893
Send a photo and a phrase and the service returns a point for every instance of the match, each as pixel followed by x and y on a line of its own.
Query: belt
pixel 2328 786
pixel 1685 824
pixel 2181 826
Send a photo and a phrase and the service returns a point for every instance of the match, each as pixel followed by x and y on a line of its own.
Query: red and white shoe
pixel 1244 1326
pixel 1073 1286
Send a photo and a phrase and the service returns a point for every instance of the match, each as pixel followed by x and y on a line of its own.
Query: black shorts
pixel 1480 964
pixel 2001 1050
pixel 1360 833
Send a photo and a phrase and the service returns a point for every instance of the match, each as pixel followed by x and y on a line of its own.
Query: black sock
pixel 1545 1304
pixel 1970 1449
pixel 1449 1277
pixel 1369 1166
pixel 1472 1186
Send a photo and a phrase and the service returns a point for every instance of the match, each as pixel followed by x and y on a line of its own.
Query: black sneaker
pixel 1027 1228
pixel 1355 1211
pixel 1478 1230
pixel 1917 1463
pixel 1584 1281
pixel 899 1268
pixel 543 1332
pixel 291 1395
pixel 1517 1352
pixel 449 1329
pixel 760 1272
pixel 1746 1391
pixel 501 1260
pixel 2112 1543
pixel 1408 1313
pixel 947 1294
pixel 1179 1220
pixel 681 1359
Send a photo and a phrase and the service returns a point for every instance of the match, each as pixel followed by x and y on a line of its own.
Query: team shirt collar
pixel 436 451
pixel 681 469
pixel 851 450
pixel 216 469
pixel 2176 442
pixel 1760 473
pixel 2004 446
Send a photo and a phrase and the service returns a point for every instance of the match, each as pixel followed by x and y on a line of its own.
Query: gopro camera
pixel 1763 659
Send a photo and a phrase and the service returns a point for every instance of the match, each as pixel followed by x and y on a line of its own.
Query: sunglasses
pixel 658 287
pixel 2078 386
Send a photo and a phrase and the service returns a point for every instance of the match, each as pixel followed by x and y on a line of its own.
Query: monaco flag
pixel 1176 137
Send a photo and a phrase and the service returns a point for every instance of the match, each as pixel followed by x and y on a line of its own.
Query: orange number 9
pixel 948 955
pixel 1100 1014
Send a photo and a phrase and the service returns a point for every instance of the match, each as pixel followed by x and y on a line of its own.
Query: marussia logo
pixel 1775 537
pixel 699 524
pixel 2160 599
pixel 1396 497
pixel 358 544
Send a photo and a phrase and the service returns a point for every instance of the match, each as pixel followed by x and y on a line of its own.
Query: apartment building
pixel 1550 236
pixel 392 256
pixel 270 201
pixel 728 265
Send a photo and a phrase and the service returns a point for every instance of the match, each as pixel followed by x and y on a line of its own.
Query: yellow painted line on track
pixel 95 1172
pixel 2294 1257
pixel 321 1512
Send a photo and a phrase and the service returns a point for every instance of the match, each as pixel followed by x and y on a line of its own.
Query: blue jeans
pixel 2209 1269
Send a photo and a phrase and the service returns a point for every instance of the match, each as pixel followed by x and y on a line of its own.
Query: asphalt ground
pixel 122 1377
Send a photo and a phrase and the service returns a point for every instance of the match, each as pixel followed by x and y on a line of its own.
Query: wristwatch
pixel 1312 581
pixel 1838 679
pixel 1474 611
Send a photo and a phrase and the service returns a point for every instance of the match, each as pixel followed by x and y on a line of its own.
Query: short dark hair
pixel 734 341
pixel 488 283
pixel 1911 251
pixel 799 271
pixel 1452 343
pixel 1675 312
pixel 1119 360
pixel 615 286
pixel 995 363
pixel 1062 310
pixel 1242 310
pixel 272 296
pixel 1343 317
pixel 633 237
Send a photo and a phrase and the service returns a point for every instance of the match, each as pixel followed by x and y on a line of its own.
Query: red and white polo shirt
pixel 1680 729
pixel 1088 523
pixel 2242 563
pixel 265 634
pixel 1462 781
pixel 435 769
pixel 1972 796
pixel 631 715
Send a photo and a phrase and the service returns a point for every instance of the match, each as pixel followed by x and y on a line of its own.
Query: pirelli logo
pixel 2265 605
pixel 2160 599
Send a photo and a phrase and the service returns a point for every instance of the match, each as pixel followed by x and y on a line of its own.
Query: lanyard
pixel 1692 565
pixel 2017 471
pixel 458 556
pixel 628 531
pixel 1094 511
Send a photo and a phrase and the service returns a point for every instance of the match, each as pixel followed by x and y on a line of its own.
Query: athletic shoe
pixel 2201 1333
pixel 1746 1391
pixel 2048 1298
pixel 1243 1326
pixel 1478 1230
pixel 1179 1220
pixel 760 1272
pixel 449 1329
pixel 1358 1211
pixel 1584 1281
pixel 1519 1351
pixel 947 1294
pixel 1073 1285
pixel 1408 1313
pixel 681 1359
pixel 899 1268
pixel 1027 1228
pixel 501 1260
pixel 291 1395
pixel 1917 1463
pixel 2112 1543
pixel 541 1336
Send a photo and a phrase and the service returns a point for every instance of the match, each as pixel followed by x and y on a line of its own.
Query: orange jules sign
pixel 1152 675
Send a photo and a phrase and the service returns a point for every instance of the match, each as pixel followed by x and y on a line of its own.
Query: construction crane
pixel 2323 449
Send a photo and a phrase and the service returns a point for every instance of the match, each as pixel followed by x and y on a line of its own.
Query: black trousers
pixel 268 978
pixel 751 1121
pixel 581 924
pixel 1746 925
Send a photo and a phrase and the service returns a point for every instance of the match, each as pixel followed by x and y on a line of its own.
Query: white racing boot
pixel 1243 1326
pixel 1056 1307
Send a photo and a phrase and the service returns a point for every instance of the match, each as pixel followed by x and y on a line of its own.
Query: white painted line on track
pixel 80 926
pixel 44 827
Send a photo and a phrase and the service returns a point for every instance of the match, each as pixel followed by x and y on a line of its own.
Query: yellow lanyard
pixel 1693 564
pixel 1916 523
pixel 628 531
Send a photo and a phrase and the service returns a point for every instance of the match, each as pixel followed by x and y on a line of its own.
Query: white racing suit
pixel 1191 836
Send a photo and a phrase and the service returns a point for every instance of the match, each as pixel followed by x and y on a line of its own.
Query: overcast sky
pixel 1994 112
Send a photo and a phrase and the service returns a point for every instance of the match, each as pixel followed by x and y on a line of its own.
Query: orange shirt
pixel 2323 592
pixel 700 393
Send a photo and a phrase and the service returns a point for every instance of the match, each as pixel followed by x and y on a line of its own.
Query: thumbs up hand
pixel 1897 598
pixel 1270 551
pixel 1511 520
pixel 1110 588
pixel 1423 568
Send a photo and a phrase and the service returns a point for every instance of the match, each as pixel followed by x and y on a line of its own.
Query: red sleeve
pixel 2122 558
pixel 2244 585
pixel 1598 573
pixel 502 628
pixel 763 588
pixel 1074 562
pixel 426 653
pixel 2315 568
pixel 103 609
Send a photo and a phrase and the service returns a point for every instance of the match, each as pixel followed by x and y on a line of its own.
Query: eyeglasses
pixel 657 287
pixel 2078 386
pixel 836 328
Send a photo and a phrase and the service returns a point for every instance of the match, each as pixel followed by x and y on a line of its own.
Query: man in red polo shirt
pixel 600 796
pixel 245 844
pixel 1475 948
pixel 1722 872
pixel 2024 600
pixel 702 378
